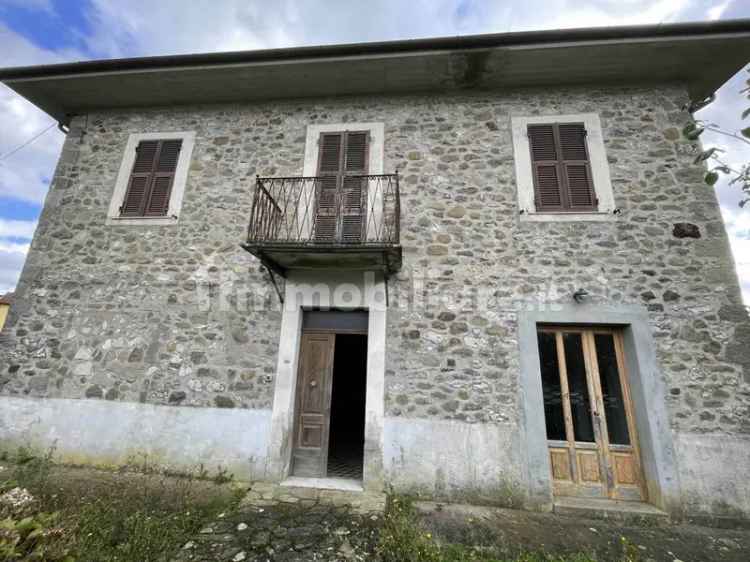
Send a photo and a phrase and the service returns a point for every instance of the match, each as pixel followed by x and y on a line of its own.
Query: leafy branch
pixel 711 157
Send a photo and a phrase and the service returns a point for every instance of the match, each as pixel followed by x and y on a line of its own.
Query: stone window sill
pixel 142 221
pixel 569 217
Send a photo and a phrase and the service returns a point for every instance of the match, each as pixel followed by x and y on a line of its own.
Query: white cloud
pixel 15 236
pixel 25 174
pixel 12 252
pixel 9 247
pixel 11 263
pixel 16 229
pixel 570 13
pixel 715 12
pixel 738 227
pixel 145 27
pixel 725 113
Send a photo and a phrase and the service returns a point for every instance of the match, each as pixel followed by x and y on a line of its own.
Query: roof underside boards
pixel 701 56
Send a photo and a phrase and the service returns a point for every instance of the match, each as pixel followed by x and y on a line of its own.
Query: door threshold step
pixel 343 484
pixel 609 509
pixel 308 491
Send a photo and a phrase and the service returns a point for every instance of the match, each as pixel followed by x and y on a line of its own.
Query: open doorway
pixel 347 434
pixel 330 402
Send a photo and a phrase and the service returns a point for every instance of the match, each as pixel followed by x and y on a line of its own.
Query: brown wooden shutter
pixel 548 193
pixel 151 179
pixel 576 167
pixel 354 188
pixel 329 166
pixel 339 215
pixel 561 169
pixel 140 177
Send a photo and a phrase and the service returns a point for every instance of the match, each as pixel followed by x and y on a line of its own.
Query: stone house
pixel 480 268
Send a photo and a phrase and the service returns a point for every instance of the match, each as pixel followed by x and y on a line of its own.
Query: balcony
pixel 327 222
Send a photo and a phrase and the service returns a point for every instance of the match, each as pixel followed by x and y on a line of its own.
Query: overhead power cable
pixel 25 144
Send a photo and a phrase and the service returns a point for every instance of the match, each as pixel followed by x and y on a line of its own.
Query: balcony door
pixel 341 191
pixel 591 434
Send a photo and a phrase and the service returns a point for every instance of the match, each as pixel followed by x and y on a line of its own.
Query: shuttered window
pixel 561 168
pixel 150 182
pixel 342 191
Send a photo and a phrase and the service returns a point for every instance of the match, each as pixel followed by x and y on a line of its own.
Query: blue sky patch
pixel 17 209
pixel 64 27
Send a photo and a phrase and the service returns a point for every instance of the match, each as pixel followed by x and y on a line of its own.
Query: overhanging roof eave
pixel 523 38
pixel 78 87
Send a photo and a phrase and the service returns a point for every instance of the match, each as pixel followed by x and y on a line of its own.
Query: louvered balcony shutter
pixel 354 188
pixel 561 169
pixel 341 191
pixel 151 179
pixel 326 201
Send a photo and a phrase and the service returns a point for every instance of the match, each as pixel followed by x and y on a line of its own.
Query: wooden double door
pixel 593 445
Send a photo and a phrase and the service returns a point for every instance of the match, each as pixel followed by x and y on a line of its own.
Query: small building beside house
pixel 4 307
pixel 483 269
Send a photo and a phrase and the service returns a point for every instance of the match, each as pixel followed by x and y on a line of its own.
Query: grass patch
pixel 402 539
pixel 84 515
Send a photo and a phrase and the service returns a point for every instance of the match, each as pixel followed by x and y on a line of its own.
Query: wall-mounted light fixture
pixel 580 295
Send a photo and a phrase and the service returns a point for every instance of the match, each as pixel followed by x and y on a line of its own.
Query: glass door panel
pixel 608 372
pixel 578 388
pixel 551 389
pixel 612 396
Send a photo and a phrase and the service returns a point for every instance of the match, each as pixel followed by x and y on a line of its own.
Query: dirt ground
pixel 517 531
pixel 271 526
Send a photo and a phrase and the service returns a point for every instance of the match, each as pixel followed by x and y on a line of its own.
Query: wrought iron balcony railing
pixel 325 211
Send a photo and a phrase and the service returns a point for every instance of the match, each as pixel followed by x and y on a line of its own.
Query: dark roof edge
pixel 661 31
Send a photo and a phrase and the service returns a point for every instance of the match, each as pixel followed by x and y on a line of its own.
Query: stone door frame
pixel 647 387
pixel 340 290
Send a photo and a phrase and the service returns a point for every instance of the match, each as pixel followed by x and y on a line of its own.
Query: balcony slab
pixel 282 257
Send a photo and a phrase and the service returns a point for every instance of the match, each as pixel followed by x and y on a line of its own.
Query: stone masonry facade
pixel 182 316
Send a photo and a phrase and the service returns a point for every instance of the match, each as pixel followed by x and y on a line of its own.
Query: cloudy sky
pixel 49 31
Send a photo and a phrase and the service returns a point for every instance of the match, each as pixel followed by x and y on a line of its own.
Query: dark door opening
pixel 347 430
pixel 330 402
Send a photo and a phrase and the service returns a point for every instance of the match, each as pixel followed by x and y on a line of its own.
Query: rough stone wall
pixel 463 233
pixel 181 315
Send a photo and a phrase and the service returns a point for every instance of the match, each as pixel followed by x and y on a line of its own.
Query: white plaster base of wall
pixel 713 474
pixel 475 462
pixel 107 433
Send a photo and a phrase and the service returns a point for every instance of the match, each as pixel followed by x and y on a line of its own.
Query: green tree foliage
pixel 739 175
